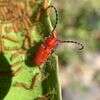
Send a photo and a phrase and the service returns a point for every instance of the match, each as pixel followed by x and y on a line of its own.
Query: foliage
pixel 19 78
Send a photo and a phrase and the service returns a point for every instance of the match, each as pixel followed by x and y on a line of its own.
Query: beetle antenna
pixel 56 12
pixel 74 42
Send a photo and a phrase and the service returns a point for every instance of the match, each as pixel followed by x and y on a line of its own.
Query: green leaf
pixel 19 87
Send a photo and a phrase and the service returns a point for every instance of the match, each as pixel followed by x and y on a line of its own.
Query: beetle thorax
pixel 51 42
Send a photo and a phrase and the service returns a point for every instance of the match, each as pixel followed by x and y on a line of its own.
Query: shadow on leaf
pixel 5 76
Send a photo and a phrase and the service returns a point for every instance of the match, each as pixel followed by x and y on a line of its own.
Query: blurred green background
pixel 79 70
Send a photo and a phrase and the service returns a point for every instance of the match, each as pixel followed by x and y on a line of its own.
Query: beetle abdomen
pixel 45 50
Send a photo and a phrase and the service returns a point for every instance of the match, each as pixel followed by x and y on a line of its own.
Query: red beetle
pixel 45 50
pixel 47 47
